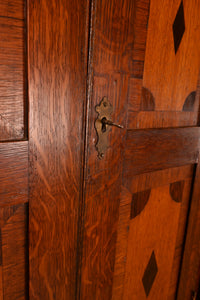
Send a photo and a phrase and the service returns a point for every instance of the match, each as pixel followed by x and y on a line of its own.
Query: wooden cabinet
pixel 125 226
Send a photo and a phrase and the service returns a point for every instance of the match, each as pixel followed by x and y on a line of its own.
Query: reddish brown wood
pixel 190 102
pixel 153 181
pixel 175 271
pixel 14 173
pixel 12 70
pixel 169 76
pixel 190 270
pixel 156 149
pixel 12 9
pixel 139 200
pixel 112 57
pixel 14 254
pixel 172 77
pixel 155 230
pixel 57 88
pixel 147 100
pixel 176 190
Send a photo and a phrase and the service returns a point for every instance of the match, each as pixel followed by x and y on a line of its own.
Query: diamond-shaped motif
pixel 178 27
pixel 150 274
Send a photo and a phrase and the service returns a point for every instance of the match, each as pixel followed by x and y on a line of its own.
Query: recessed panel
pixel 148 251
pixel 171 68
pixel 13 91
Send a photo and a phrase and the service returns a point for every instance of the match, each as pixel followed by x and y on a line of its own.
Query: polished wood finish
pixel 14 173
pixel 190 270
pixel 14 220
pixel 14 252
pixel 154 229
pixel 155 149
pixel 57 88
pixel 170 77
pixel 148 87
pixel 111 58
pixel 12 9
pixel 13 91
pixel 158 180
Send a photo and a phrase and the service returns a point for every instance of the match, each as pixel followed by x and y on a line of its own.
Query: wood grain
pixel 190 275
pixel 154 229
pixel 180 239
pixel 14 254
pixel 12 9
pixel 169 77
pixel 156 149
pixel 137 184
pixel 57 87
pixel 13 94
pixel 14 173
pixel 139 200
pixel 112 57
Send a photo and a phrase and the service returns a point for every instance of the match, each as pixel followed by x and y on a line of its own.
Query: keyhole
pixel 103 128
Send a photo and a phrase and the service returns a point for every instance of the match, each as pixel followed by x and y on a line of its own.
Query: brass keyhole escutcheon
pixel 103 125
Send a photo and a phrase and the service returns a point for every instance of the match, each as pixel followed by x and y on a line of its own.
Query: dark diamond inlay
pixel 178 27
pixel 150 274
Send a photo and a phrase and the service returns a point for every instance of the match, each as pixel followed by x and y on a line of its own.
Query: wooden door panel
pixel 14 173
pixel 14 220
pixel 167 94
pixel 112 40
pixel 14 252
pixel 130 190
pixel 124 37
pixel 190 269
pixel 171 74
pixel 150 275
pixel 13 92
pixel 57 88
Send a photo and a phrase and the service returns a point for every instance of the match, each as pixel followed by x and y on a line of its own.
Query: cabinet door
pixel 111 228
pixel 57 70
pixel 144 57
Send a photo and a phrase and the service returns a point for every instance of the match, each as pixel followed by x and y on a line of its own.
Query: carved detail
pixel 139 200
pixel 176 190
pixel 147 100
pixel 189 102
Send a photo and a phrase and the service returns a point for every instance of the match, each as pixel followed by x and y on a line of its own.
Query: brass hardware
pixel 104 121
pixel 103 125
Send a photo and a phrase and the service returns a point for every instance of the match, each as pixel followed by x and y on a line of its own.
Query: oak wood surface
pixel 140 183
pixel 112 57
pixel 12 9
pixel 14 252
pixel 144 238
pixel 13 94
pixel 57 89
pixel 155 149
pixel 171 76
pixel 14 173
pixel 190 269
